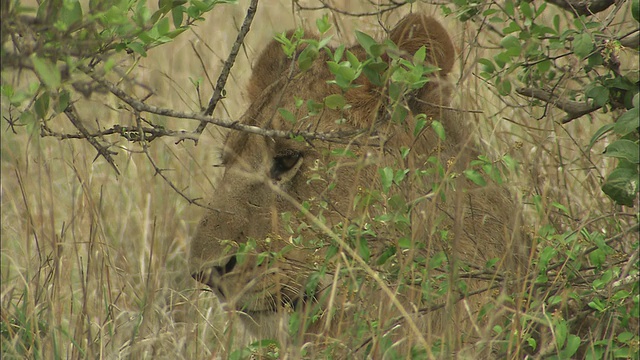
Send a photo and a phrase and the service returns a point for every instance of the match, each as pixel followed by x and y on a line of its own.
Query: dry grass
pixel 93 264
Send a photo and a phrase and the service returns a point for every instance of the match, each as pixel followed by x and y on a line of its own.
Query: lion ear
pixel 416 30
pixel 270 66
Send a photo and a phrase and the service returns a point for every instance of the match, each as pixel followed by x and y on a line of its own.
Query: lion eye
pixel 283 163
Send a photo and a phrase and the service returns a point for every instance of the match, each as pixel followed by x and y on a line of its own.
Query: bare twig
pixel 583 7
pixel 226 69
pixel 574 109
pixel 103 151
pixel 631 40
pixel 127 132
pixel 342 137
pixel 158 171
pixel 382 8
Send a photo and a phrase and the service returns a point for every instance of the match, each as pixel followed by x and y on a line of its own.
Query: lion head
pixel 291 216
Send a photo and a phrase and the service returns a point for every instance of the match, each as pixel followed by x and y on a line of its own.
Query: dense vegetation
pixel 555 82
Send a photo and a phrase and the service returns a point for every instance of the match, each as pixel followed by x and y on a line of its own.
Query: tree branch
pixel 381 8
pixel 583 7
pixel 631 40
pixel 574 109
pixel 342 137
pixel 103 151
pixel 228 64
pixel 158 171
pixel 130 133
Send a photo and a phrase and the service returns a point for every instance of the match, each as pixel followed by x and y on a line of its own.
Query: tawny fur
pixel 483 222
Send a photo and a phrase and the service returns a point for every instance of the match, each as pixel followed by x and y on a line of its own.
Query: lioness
pixel 290 272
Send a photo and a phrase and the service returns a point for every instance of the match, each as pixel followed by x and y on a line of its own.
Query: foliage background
pixel 93 264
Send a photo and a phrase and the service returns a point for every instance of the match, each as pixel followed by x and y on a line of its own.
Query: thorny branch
pixel 583 7
pixel 130 133
pixel 228 64
pixel 159 171
pixel 382 8
pixel 333 136
pixel 574 109
pixel 103 151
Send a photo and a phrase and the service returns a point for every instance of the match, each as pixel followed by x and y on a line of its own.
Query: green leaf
pixel 491 263
pixel 201 5
pixel 573 342
pixel 620 295
pixel 487 65
pixel 624 149
pixel 7 90
pixel 314 107
pixel 343 72
pixel 163 26
pixel 622 185
pixel 560 207
pixel 582 44
pixel 324 42
pixel 33 125
pixel 541 9
pixel 545 256
pixel 554 299
pixel 599 94
pixel 399 114
pixel 386 178
pixel 353 61
pixel 137 47
pixel 374 71
pixel 287 115
pixel 509 8
pixel 627 122
pixel 600 133
pixel 597 258
pixel 511 28
pixel 526 10
pixel 307 57
pixel 475 176
pixel 42 105
pixel 544 66
pixel 512 44
pixel 597 305
pixel 501 59
pixel 561 330
pixel 419 56
pixel 48 72
pixel 504 87
pixel 335 101
pixel 323 24
pixel 404 243
pixel 337 55
pixel 421 122
pixel 177 14
pixel 369 44
pixel 532 343
pixel 625 337
pixel 635 10
pixel 404 151
pixel 70 14
pixel 363 249
pixel 400 175
pixel 439 129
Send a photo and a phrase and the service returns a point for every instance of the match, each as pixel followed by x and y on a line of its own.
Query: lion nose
pixel 212 275
pixel 227 268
